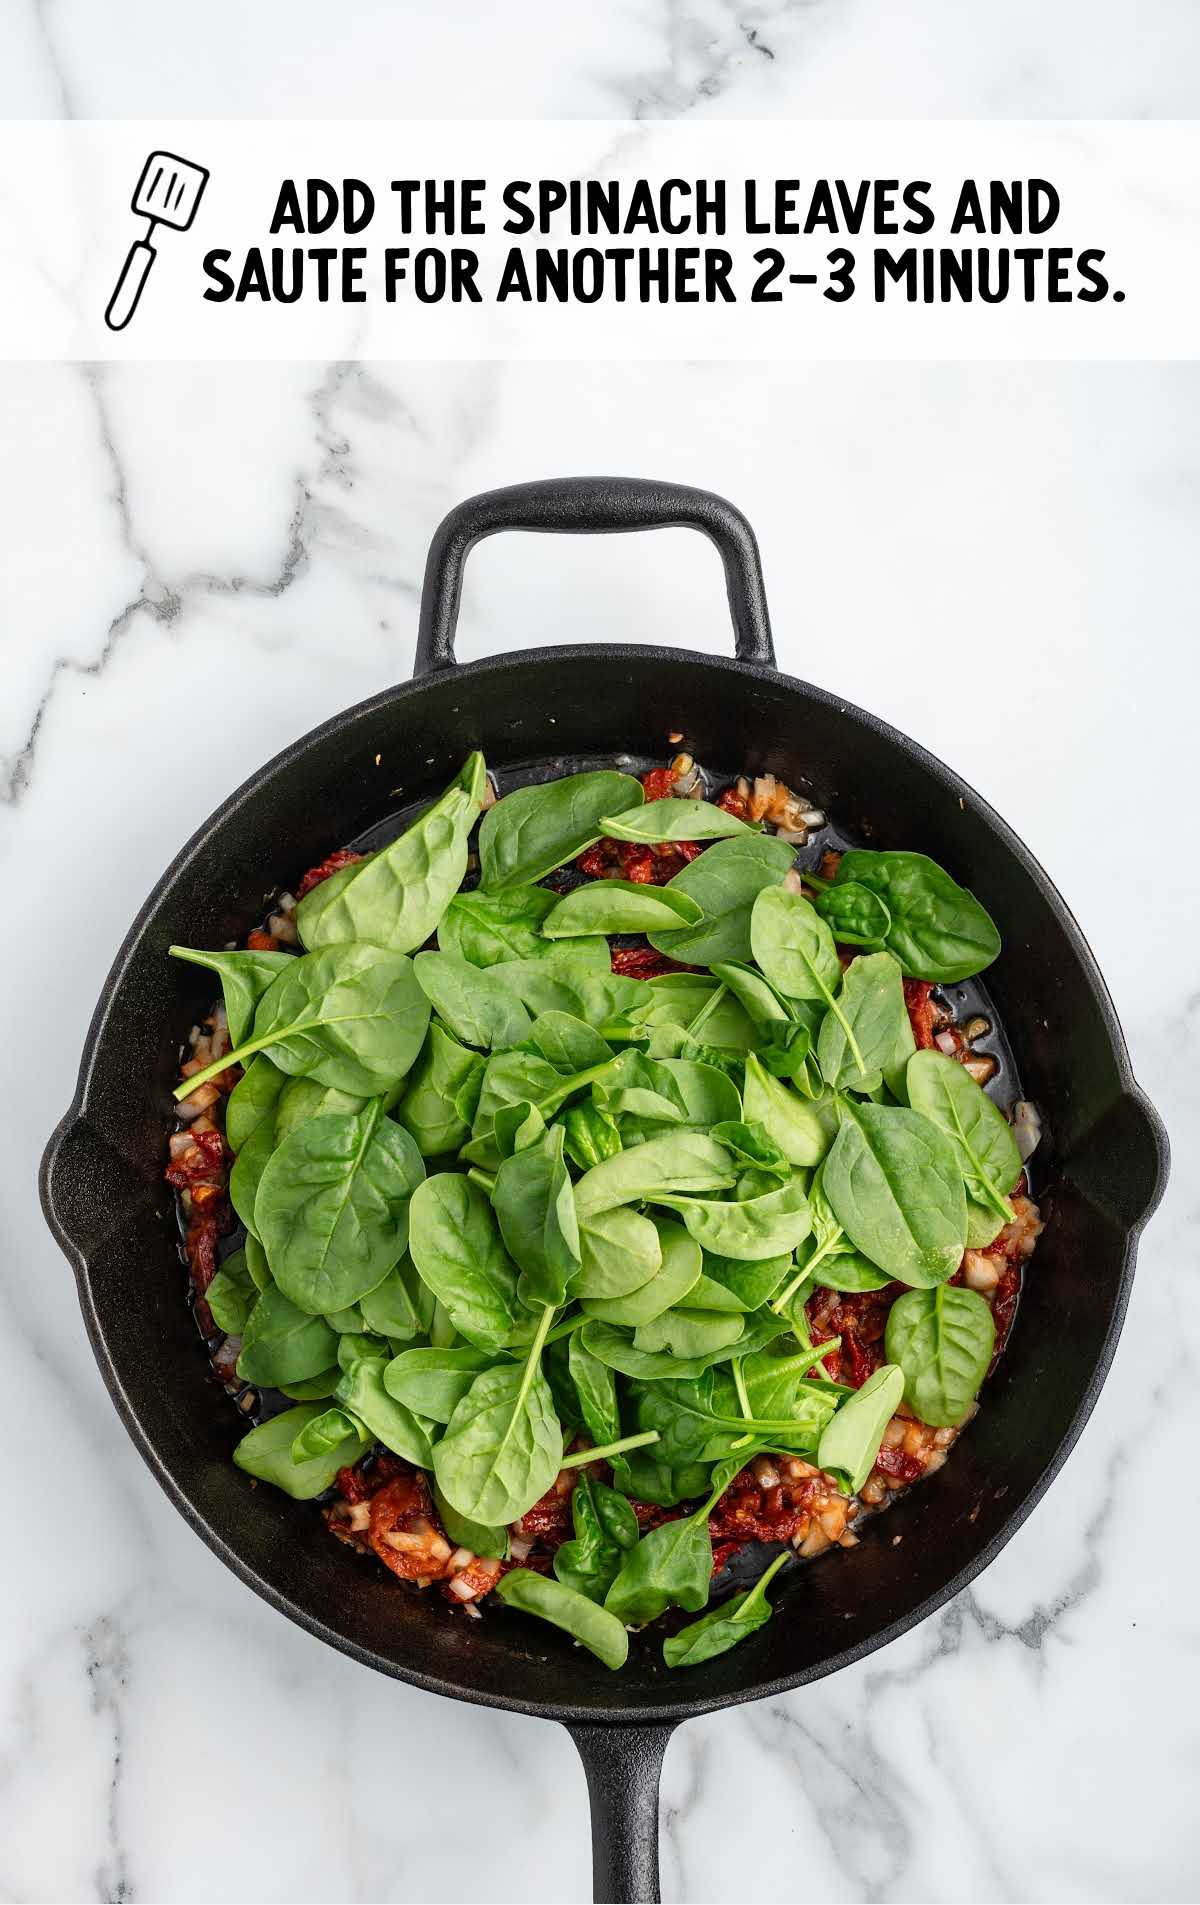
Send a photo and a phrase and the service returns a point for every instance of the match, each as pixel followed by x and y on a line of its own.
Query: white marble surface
pixel 163 1735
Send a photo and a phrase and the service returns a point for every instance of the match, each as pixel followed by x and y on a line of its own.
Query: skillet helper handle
pixel 592 506
pixel 134 272
pixel 623 1766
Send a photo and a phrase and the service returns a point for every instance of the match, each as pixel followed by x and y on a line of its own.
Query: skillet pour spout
pixel 1102 1167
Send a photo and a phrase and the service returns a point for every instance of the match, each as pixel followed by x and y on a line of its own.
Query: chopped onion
pixel 945 1043
pixel 1026 1127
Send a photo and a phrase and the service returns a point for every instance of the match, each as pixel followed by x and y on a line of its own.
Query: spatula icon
pixel 168 193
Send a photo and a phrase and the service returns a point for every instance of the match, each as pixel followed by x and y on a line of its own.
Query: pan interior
pixel 538 717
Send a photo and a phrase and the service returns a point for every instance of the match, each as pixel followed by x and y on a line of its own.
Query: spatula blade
pixel 169 190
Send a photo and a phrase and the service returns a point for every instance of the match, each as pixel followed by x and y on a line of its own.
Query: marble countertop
pixel 257 536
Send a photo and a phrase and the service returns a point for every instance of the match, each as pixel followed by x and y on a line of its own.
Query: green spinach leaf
pixel 432 1382
pixel 938 930
pixel 674 819
pixel 536 829
pixel 535 1207
pixel 504 1446
pixel 244 976
pixel 281 1343
pixel 855 914
pixel 803 1129
pixel 363 1392
pixel 485 928
pixel 725 1626
pixel 442 1096
pixel 620 906
pixel 253 1100
pixel 682 1161
pixel 600 1632
pixel 850 1441
pixel 678 1270
pixel 861 1032
pixel 945 1093
pixel 725 882
pixel 763 1226
pixel 943 1341
pixel 232 1294
pixel 266 1453
pixel 460 1256
pixel 893 1183
pixel 475 1006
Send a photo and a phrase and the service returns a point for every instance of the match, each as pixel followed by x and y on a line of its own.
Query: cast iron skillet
pixel 1102 1170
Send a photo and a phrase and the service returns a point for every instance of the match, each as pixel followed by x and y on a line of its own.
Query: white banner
pixel 545 240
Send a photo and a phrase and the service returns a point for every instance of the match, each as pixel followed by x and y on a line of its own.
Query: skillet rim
pixel 668 1713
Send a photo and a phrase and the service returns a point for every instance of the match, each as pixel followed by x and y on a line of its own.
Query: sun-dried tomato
pixel 202 1162
pixel 896 1462
pixel 598 860
pixel 200 1243
pixel 549 1520
pixel 920 1011
pixel 262 942
pixel 731 802
pixel 1004 1307
pixel 642 962
pixel 404 1507
pixel 333 863
pixel 657 783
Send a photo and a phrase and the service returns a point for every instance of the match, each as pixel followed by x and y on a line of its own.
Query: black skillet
pixel 1101 1170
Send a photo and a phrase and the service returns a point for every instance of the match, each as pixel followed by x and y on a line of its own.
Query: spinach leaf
pixel 569 984
pixel 536 829
pixel 396 898
pixel 748 1284
pixel 619 1251
pixel 855 914
pixel 253 1100
pixel 764 1226
pixel 681 1161
pixel 232 1294
pixel 794 946
pixel 600 1632
pixel 673 998
pixel 672 1565
pixel 535 1208
pixel 246 1174
pixel 465 1533
pixel 605 1526
pixel 332 1206
pixel 982 1138
pixel 690 1092
pixel 767 1007
pixel 679 1268
pixel 303 1098
pixel 266 1453
pixel 432 1382
pixel 362 1391
pixel 347 1322
pixel 442 1094
pixel 615 1346
pixel 568 1043
pixel 832 1260
pixel 777 1387
pixel 314 1388
pixel 589 1135
pixel 504 1446
pixel 620 906
pixel 674 819
pixel 281 1343
pixel 717 1632
pixel 352 1016
pixel 724 881
pixel 477 1008
pixel 893 1183
pixel 596 1392
pixel 860 1034
pixel 485 928
pixel 391 1309
pixel 244 976
pixel 943 1341
pixel 752 1146
pixel 938 930
pixel 687 1332
pixel 457 1248
pixel 518 1127
pixel 256 1261
pixel 850 1441
pixel 324 1432
pixel 802 1129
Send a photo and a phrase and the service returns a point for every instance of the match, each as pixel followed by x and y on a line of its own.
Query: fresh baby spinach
pixel 281 1343
pixel 266 1453
pixel 725 1626
pixel 391 1309
pixel 855 914
pixel 803 1128
pixel 568 1043
pixel 725 882
pixel 943 1340
pixel 757 1227
pixel 619 1251
pixel 681 1161
pixel 352 1016
pixel 894 1185
pixel 590 1134
pixel 504 1446
pixel 486 928
pixel 244 976
pixel 987 1154
pixel 460 1256
pixel 475 1007
pixel 850 1441
pixel 535 1206
pixel 678 1269
pixel 600 1632
pixel 605 1527
pixel 794 946
pixel 253 1100
pixel 332 1206
pixel 303 1098
pixel 246 1174
pixel 363 1392
pixel 620 906
pixel 938 930
pixel 432 1382
pixel 232 1294
pixel 860 1034
pixel 672 819
pixel 688 1332
pixel 442 1094
pixel 536 829
pixel 397 896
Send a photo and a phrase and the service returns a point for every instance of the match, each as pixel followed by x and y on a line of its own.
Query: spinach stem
pixel 762 1584
pixel 566 1328
pixel 582 1456
pixel 824 1250
pixel 237 1056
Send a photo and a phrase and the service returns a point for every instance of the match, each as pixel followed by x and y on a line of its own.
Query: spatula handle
pixel 134 272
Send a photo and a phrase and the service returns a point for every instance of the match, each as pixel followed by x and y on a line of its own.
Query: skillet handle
pixel 592 506
pixel 623 1766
